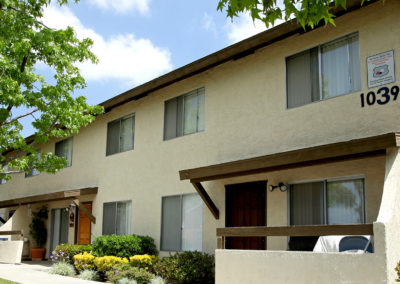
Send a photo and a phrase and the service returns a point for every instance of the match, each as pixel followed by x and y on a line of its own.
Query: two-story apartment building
pixel 287 128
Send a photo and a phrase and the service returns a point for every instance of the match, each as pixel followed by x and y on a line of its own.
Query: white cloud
pixel 243 27
pixel 208 23
pixel 121 56
pixel 123 6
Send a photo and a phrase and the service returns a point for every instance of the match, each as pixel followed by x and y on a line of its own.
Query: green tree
pixel 25 42
pixel 308 13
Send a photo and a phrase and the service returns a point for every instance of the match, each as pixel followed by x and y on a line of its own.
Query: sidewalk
pixel 32 272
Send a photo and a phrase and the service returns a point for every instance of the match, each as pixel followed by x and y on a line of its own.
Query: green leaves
pixel 25 42
pixel 309 13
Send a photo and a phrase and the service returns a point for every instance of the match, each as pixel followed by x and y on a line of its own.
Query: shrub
pixel 144 261
pixel 187 267
pixel 126 281
pixel 157 280
pixel 62 268
pixel 147 245
pixel 397 269
pixel 106 263
pixel 66 252
pixel 84 261
pixel 37 227
pixel 89 275
pixel 123 246
pixel 126 271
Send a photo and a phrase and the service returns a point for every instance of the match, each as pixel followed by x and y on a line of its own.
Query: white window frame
pixel 129 230
pixel 181 219
pixel 198 91
pixel 325 181
pixel 320 89
pixel 132 116
pixel 69 162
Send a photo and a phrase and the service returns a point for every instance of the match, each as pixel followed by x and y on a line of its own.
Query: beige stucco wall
pixel 389 215
pixel 278 267
pixel 11 251
pixel 245 116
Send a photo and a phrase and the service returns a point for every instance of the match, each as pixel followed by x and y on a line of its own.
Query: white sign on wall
pixel 380 69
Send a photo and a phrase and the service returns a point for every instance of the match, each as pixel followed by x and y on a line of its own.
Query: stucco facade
pixel 246 116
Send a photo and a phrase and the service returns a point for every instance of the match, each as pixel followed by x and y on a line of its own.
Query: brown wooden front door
pixel 245 206
pixel 84 226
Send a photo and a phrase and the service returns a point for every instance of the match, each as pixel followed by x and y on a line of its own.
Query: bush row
pixel 121 246
pixel 124 245
pixel 120 258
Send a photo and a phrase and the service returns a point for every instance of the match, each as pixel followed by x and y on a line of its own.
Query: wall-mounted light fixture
pixel 281 185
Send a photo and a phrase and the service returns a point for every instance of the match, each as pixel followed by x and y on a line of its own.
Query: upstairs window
pixel 120 135
pixel 64 149
pixel 184 114
pixel 33 172
pixel 117 218
pixel 323 72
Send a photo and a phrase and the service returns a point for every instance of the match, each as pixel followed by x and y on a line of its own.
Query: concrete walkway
pixel 32 272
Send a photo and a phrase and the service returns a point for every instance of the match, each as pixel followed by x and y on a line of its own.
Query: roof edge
pixel 232 52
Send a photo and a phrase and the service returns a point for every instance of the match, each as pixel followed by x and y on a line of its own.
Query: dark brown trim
pixel 207 199
pixel 61 195
pixel 233 52
pixel 297 231
pixel 18 232
pixel 330 153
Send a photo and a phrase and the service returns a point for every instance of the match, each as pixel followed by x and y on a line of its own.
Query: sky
pixel 139 40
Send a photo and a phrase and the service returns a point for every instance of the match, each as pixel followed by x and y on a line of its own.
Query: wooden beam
pixel 16 232
pixel 84 210
pixel 342 151
pixel 207 199
pixel 297 231
pixel 54 196
pixel 221 243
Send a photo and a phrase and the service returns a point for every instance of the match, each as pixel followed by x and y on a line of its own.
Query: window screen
pixel 109 216
pixel 306 204
pixel 64 149
pixel 171 223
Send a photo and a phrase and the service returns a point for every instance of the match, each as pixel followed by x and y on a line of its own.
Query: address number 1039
pixel 382 96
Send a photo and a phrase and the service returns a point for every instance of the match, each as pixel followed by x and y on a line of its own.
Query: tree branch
pixel 19 117
pixel 20 153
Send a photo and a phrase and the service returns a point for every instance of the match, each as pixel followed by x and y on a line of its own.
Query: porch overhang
pixel 329 153
pixel 54 196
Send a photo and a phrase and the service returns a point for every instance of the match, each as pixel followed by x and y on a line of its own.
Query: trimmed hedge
pixel 123 245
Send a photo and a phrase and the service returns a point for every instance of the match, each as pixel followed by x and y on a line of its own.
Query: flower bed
pixel 91 262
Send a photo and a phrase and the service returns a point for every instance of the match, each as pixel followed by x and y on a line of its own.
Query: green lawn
pixel 2 281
